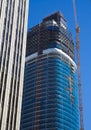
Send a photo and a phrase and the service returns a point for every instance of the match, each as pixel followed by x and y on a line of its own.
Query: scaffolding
pixel 50 31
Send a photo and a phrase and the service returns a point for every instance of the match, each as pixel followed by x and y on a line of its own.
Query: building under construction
pixel 50 96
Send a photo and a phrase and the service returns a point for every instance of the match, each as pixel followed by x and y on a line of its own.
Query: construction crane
pixel 77 28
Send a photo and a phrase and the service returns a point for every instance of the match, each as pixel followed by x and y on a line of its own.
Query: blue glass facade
pixel 50 96
pixel 58 101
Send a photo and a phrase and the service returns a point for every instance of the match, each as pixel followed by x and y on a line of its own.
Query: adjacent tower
pixel 13 30
pixel 50 97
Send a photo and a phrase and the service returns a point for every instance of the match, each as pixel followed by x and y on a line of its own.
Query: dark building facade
pixel 50 96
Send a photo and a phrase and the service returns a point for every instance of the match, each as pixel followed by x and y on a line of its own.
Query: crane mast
pixel 78 66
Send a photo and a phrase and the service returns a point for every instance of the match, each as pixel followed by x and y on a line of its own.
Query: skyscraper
pixel 50 96
pixel 13 30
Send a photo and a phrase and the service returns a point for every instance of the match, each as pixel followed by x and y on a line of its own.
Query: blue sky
pixel 38 9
